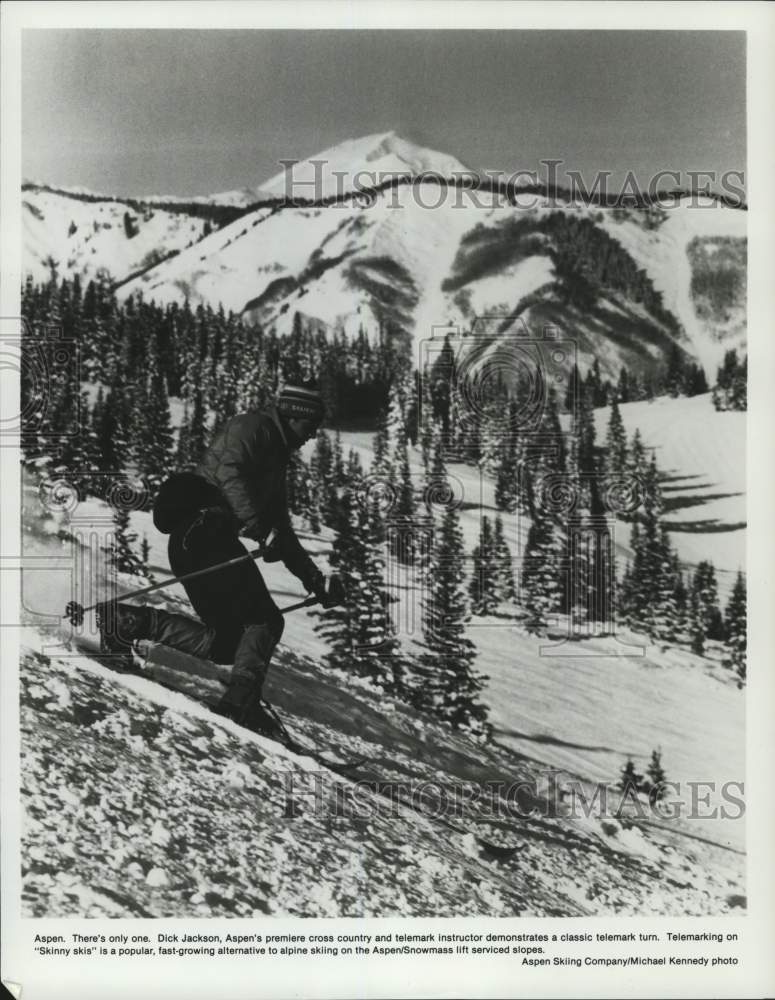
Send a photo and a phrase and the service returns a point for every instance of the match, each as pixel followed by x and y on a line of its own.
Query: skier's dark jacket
pixel 243 471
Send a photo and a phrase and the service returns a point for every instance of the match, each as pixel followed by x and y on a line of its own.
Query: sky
pixel 194 112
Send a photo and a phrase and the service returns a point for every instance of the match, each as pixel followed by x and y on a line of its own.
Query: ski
pixel 292 744
pixel 88 646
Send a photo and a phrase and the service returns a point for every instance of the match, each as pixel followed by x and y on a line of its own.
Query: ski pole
pixel 75 612
pixel 301 604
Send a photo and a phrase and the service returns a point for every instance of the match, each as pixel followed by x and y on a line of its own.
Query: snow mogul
pixel 238 490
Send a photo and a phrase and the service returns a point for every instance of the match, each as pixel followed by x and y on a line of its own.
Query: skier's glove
pixel 331 591
pixel 273 548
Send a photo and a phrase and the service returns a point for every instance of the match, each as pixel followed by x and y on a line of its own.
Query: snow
pixel 663 254
pixel 702 452
pixel 512 284
pixel 99 240
pixel 417 227
pixel 363 162
pixel 585 713
pixel 238 264
pixel 154 764
pixel 132 833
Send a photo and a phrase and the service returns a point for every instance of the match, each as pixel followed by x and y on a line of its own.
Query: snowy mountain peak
pixel 418 159
pixel 360 162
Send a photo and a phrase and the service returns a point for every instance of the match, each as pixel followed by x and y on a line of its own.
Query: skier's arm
pixel 242 490
pixel 287 547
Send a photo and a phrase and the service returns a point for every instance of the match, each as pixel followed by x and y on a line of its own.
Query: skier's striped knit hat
pixel 300 402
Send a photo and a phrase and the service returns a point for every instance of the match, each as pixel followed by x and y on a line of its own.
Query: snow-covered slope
pixel 422 256
pixel 86 237
pixel 179 812
pixel 402 262
pixel 138 801
pixel 701 453
pixel 668 254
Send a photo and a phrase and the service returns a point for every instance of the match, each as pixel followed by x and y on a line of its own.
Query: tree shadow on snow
pixel 554 741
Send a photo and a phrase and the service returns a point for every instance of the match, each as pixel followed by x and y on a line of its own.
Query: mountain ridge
pixel 631 282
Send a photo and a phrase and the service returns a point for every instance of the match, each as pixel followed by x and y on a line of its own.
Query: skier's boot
pixel 121 625
pixel 252 714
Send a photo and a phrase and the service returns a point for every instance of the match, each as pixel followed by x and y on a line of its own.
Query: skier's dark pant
pixel 242 623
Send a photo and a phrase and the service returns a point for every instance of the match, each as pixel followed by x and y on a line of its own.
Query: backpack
pixel 180 497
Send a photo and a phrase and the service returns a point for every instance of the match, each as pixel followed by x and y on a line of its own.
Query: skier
pixel 237 490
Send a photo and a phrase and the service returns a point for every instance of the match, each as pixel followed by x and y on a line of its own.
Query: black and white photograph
pixel 383 480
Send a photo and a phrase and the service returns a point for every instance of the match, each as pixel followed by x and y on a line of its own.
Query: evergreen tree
pixel 111 431
pixel 297 478
pixel 181 447
pixel 507 469
pixel 193 433
pixel 696 624
pixel 338 480
pixel 735 626
pixel 85 457
pixel 323 478
pixel 445 680
pixel 406 503
pixel 155 455
pixel 443 376
pixel 360 632
pixel 648 566
pixel 573 391
pixel 380 465
pixel 674 379
pixel 707 595
pixel 666 614
pixel 655 785
pixel 696 382
pixel 624 387
pixel 541 587
pixel 553 452
pixel 731 389
pixel 505 589
pixel 630 781
pixel 590 560
pixel 616 443
pixel 680 603
pixel 594 386
pixel 495 431
pixel 638 464
pixel 254 386
pixel 426 422
pixel 542 591
pixel 625 598
pixel 483 583
pixel 121 553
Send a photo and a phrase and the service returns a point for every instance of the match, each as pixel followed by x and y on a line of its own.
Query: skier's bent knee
pixel 277 625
